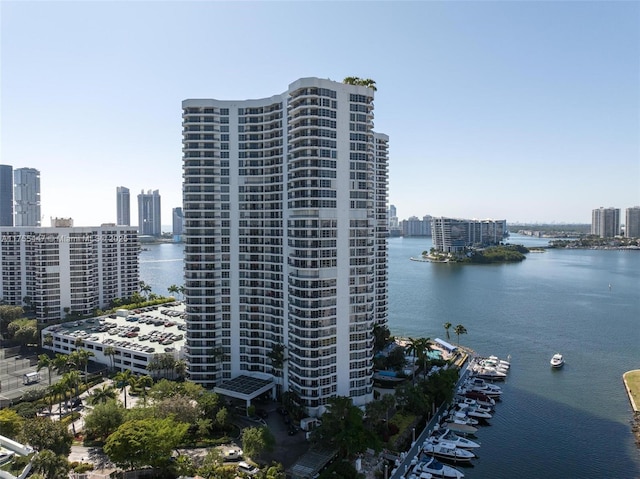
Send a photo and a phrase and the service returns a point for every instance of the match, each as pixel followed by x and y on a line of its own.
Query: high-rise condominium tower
pixel 632 222
pixel 6 195
pixel 27 197
pixel 123 199
pixel 605 222
pixel 285 206
pixel 149 213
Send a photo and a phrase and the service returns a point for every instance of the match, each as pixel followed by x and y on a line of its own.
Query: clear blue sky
pixel 524 111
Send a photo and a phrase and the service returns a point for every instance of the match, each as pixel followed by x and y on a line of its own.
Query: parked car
pixel 247 468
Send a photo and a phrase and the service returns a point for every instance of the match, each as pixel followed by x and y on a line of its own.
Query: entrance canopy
pixel 245 387
pixel 448 347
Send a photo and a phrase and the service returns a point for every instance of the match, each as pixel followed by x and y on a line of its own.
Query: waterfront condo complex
pixel 285 231
pixel 452 234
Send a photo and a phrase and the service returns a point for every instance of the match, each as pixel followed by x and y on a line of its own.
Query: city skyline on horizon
pixel 494 110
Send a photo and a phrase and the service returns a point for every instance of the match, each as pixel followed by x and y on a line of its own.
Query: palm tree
pixel 59 390
pixel 44 361
pixel 277 357
pixel 447 326
pixel 423 346
pixel 82 359
pixel 173 289
pixel 145 288
pixel 61 363
pixel 110 352
pixel 123 379
pixel 459 329
pixel 144 382
pixel 180 368
pixel 103 394
pixel 181 290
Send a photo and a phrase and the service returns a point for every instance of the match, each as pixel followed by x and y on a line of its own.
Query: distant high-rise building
pixel 605 222
pixel 123 205
pixel 417 227
pixel 6 195
pixel 26 195
pixel 286 224
pixel 632 222
pixel 149 213
pixel 178 223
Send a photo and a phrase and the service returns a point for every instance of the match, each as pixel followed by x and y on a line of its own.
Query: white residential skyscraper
pixel 605 222
pixel 285 207
pixel 632 222
pixel 26 196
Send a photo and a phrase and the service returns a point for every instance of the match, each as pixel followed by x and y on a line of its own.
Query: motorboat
pixel 486 372
pixel 459 426
pixel 557 361
pixel 432 466
pixel 462 442
pixel 491 363
pixel 446 451
pixel 477 396
pixel 474 402
pixel 474 412
pixel 482 398
pixel 501 362
pixel 480 385
pixel 461 417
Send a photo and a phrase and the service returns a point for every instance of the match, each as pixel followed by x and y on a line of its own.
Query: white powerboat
pixel 459 426
pixel 482 405
pixel 480 398
pixel 432 466
pixel 474 412
pixel 446 451
pixel 487 372
pixel 450 436
pixel 480 385
pixel 557 361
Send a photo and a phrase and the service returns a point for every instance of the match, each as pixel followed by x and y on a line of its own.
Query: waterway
pixel 568 423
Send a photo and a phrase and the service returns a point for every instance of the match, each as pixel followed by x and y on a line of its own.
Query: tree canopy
pixel 145 442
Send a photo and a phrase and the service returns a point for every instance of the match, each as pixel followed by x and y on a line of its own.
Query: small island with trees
pixel 503 253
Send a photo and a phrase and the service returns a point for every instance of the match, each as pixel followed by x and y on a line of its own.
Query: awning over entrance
pixel 245 387
pixel 449 347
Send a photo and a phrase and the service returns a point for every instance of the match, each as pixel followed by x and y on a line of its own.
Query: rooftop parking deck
pixel 136 336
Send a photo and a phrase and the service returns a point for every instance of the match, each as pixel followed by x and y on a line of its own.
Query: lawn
pixel 633 383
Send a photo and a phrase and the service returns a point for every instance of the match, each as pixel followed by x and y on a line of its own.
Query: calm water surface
pixel 570 423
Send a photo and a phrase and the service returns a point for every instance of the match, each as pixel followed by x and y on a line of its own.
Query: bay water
pixel 567 423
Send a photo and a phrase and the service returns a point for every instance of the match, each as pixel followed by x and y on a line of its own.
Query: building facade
pixel 415 226
pixel 451 235
pixel 632 222
pixel 149 220
pixel 6 195
pixel 123 205
pixel 177 224
pixel 286 223
pixel 26 196
pixel 66 269
pixel 605 222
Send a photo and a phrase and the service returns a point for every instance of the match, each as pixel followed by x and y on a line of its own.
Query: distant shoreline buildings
pixel 605 222
pixel 19 196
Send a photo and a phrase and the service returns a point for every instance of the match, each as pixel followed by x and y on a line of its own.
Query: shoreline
pixel 631 380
